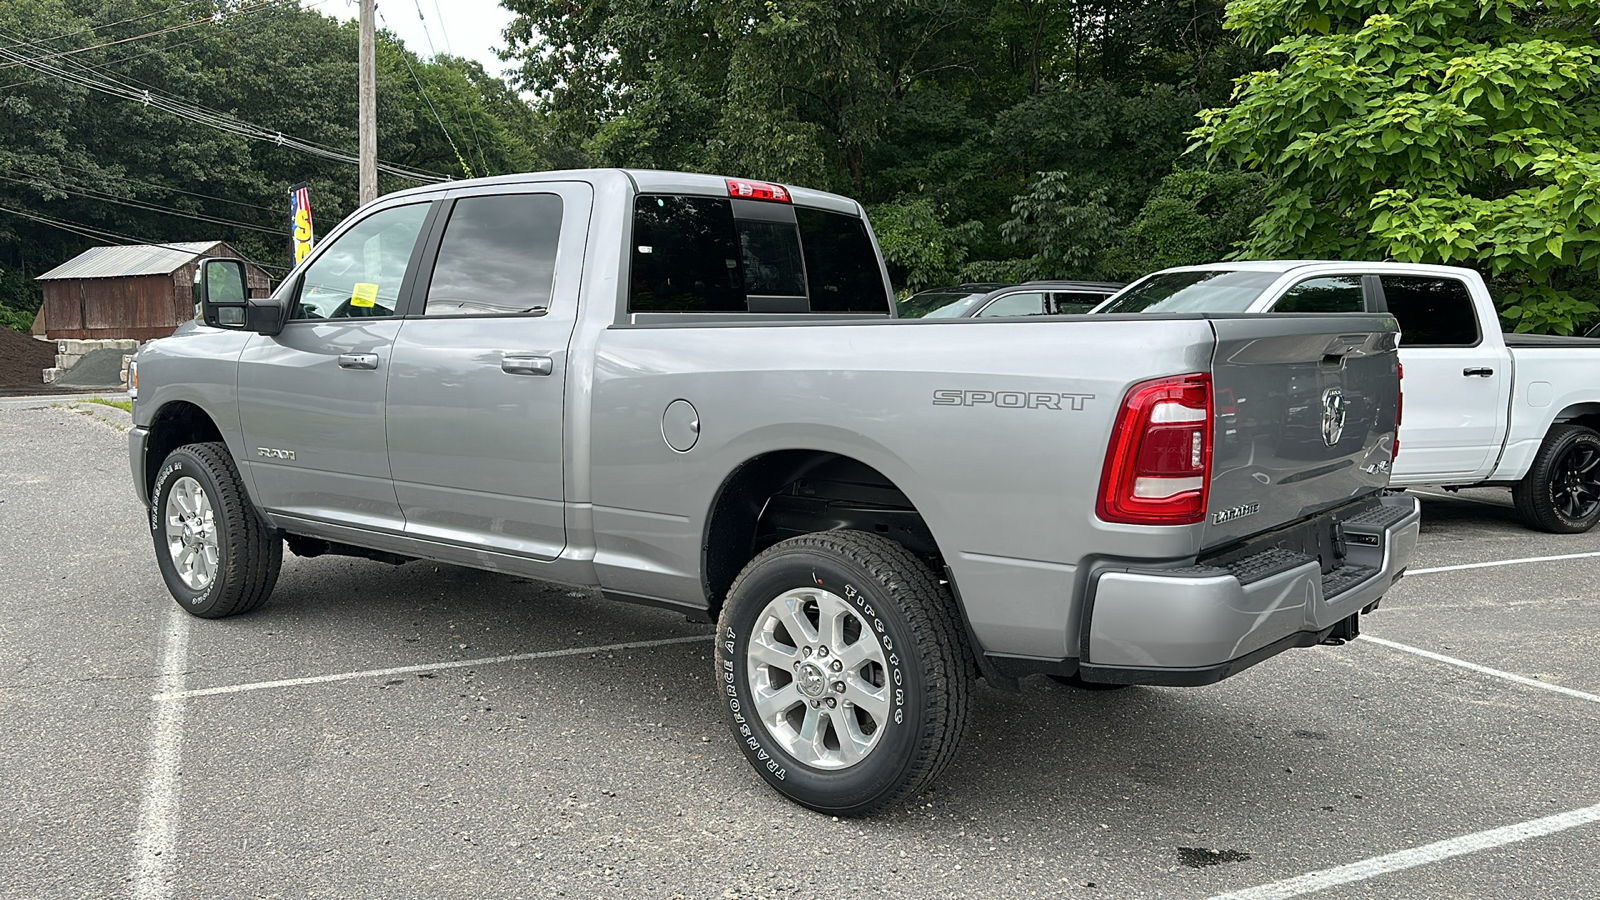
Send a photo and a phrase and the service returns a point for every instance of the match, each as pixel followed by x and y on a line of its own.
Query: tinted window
pixel 841 264
pixel 770 253
pixel 1072 302
pixel 359 275
pixel 686 256
pixel 1431 311
pixel 937 305
pixel 498 256
pixel 1027 303
pixel 1180 292
pixel 1333 294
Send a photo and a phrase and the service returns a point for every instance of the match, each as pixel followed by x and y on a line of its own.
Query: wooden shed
pixel 141 292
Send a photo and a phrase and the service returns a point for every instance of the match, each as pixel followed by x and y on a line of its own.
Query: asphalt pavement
pixel 432 731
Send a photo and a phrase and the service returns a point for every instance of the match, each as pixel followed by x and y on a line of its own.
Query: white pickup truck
pixel 1482 408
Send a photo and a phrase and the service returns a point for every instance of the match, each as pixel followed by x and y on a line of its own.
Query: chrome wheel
pixel 818 678
pixel 191 533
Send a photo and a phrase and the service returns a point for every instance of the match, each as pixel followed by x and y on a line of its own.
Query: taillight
pixel 1399 408
pixel 1158 466
pixel 757 190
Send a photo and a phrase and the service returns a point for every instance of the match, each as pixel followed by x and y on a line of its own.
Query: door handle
pixel 358 360
pixel 1479 370
pixel 527 365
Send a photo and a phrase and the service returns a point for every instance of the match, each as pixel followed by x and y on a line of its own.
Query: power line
pixel 169 29
pixel 220 121
pixel 151 15
pixel 471 119
pixel 101 234
pixel 93 194
pixel 406 57
pixel 275 210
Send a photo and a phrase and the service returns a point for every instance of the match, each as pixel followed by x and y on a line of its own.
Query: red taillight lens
pixel 1399 408
pixel 1158 466
pixel 758 190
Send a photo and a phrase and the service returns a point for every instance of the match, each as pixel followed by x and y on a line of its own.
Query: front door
pixel 311 397
pixel 478 381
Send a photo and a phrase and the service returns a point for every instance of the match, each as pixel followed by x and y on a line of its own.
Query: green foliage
pixel 945 117
pixel 1444 131
pixel 920 249
pixel 67 150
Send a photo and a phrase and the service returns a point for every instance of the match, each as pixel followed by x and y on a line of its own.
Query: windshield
pixel 938 305
pixel 1184 292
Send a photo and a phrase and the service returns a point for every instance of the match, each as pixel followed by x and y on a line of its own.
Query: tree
pixel 1446 131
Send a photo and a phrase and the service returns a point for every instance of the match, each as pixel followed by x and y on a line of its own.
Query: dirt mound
pixel 99 369
pixel 24 359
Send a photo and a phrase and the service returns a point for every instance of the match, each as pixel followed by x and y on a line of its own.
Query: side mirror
pixel 223 295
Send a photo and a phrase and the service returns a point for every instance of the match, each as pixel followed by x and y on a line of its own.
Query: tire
pixel 216 554
pixel 899 671
pixel 1076 681
pixel 1561 493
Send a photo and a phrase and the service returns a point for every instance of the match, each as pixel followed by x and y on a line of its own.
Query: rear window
pixel 1432 312
pixel 1189 292
pixel 708 254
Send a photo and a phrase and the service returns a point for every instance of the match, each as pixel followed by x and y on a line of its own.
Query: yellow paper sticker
pixel 364 294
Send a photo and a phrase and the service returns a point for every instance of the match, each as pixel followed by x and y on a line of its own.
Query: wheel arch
pixel 780 493
pixel 176 423
pixel 1586 414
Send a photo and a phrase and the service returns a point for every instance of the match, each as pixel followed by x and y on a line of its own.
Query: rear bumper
pixel 138 439
pixel 1201 624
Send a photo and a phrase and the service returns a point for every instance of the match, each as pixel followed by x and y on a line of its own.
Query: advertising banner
pixel 300 221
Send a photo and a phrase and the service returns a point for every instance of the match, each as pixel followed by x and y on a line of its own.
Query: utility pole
pixel 367 113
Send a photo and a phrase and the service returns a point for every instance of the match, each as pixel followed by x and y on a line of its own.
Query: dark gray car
pixel 987 300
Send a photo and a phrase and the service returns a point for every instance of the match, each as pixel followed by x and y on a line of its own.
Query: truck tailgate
pixel 1304 418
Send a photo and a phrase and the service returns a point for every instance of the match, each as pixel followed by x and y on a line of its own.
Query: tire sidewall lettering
pixel 750 732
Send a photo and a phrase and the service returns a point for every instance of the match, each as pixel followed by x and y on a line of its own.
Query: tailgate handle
pixel 1470 371
pixel 358 360
pixel 1340 346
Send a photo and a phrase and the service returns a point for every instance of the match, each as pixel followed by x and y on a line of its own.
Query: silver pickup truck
pixel 692 392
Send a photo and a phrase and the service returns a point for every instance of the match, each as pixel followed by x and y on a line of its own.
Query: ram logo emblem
pixel 270 453
pixel 1332 416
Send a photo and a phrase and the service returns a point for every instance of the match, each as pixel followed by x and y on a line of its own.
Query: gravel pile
pixel 100 369
pixel 23 360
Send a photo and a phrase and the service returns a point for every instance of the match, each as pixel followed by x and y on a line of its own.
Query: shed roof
pixel 138 259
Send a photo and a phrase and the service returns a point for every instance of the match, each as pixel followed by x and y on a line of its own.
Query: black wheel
pixel 1561 493
pixel 845 669
pixel 216 555
pixel 1077 681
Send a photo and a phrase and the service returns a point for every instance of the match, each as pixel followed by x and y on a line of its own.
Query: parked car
pixel 1032 298
pixel 692 393
pixel 1482 408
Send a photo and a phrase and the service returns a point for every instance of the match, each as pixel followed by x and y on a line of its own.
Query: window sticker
pixel 363 294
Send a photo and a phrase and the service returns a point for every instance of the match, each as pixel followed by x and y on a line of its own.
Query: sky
pixel 470 28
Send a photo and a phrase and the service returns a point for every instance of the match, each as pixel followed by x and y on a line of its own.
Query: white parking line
pixel 170 696
pixel 153 867
pixel 1416 856
pixel 1502 562
pixel 1482 670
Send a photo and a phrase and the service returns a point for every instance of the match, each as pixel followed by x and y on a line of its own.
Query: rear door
pixel 1458 380
pixel 1304 419
pixel 480 365
pixel 311 397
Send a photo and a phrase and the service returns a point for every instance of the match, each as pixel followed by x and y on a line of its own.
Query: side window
pixel 359 274
pixel 708 254
pixel 1027 303
pixel 498 256
pixel 840 263
pixel 1432 312
pixel 1073 302
pixel 685 256
pixel 1329 294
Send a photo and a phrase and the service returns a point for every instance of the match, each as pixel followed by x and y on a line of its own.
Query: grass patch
pixel 124 405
